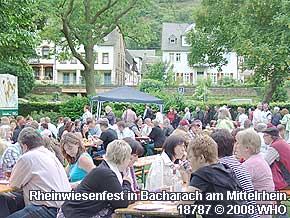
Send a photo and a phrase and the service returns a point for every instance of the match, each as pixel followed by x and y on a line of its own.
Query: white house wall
pixel 183 67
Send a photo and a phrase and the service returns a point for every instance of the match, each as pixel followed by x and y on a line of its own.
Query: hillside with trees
pixel 175 11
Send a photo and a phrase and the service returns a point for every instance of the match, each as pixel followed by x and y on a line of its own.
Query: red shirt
pixel 170 116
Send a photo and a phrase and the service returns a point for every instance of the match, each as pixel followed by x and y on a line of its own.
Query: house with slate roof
pixel 175 51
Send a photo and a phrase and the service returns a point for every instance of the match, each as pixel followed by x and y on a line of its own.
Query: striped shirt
pixel 242 175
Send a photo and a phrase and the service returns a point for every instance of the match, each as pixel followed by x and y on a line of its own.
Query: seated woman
pixel 69 127
pixel 137 150
pixel 164 169
pixel 248 147
pixel 106 177
pixel 210 176
pixel 80 162
pixel 85 131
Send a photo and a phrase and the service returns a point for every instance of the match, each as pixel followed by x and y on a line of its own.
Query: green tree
pixel 227 81
pixel 202 91
pixel 155 71
pixel 18 30
pixel 20 21
pixel 87 22
pixel 258 30
pixel 150 85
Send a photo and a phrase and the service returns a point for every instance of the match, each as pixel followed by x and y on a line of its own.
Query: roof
pixel 128 57
pixel 126 94
pixel 177 30
pixel 142 53
pixel 112 38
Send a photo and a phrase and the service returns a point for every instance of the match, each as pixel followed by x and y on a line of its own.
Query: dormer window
pixel 45 51
pixel 172 39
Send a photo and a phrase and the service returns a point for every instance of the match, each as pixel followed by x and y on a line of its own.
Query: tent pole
pixel 100 111
pixel 98 107
pixel 91 106
pixel 161 108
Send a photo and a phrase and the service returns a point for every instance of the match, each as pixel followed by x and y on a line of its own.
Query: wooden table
pixel 142 162
pixel 5 188
pixel 168 210
pixel 142 138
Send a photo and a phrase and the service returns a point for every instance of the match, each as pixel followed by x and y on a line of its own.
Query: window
pixel 214 78
pixel 45 51
pixel 178 57
pixel 65 77
pixel 74 78
pixel 200 74
pixel 186 78
pixel 97 56
pixel 105 58
pixel 107 78
pixel 172 39
pixel 48 73
pixel 171 57
pixel 36 73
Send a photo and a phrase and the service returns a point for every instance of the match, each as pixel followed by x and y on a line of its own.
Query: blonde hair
pixel 284 111
pixel 224 113
pixel 118 151
pixel 249 138
pixel 205 146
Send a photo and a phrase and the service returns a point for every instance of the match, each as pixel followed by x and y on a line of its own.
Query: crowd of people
pixel 216 150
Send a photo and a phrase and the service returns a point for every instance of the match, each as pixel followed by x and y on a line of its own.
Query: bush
pixel 227 81
pixel 150 85
pixel 27 108
pixel 40 114
pixel 73 108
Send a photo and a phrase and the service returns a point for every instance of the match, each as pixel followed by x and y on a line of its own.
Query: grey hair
pixel 276 109
pixel 118 151
pixel 30 137
pixel 155 123
pixel 249 138
pixel 4 130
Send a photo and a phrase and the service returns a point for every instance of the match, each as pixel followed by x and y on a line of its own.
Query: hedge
pixel 73 108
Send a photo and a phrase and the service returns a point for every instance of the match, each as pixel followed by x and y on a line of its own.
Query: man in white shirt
pixel 257 115
pixel 87 114
pixel 266 114
pixel 243 117
pixel 123 131
pixel 37 169
pixel 51 127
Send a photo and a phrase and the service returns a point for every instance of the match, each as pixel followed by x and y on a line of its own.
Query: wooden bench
pixel 99 158
pixel 139 173
pixel 158 150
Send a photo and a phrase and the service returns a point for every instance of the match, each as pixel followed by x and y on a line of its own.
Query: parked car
pixel 241 100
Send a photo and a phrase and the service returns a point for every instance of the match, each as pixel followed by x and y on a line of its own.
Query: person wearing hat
pixel 195 128
pixel 182 131
pixel 277 157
